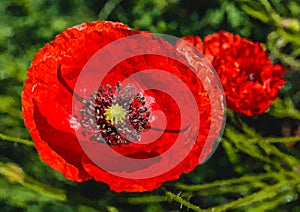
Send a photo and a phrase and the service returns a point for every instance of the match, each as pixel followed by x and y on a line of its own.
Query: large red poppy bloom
pixel 60 129
pixel 251 82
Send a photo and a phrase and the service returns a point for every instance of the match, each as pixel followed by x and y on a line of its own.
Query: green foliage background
pixel 256 166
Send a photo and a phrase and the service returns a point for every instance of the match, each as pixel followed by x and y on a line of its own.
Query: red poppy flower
pixel 251 82
pixel 75 126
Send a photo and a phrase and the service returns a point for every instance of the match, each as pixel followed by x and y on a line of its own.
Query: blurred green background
pixel 256 167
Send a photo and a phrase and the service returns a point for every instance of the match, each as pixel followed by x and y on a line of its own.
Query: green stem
pixel 284 108
pixel 16 140
pixel 241 142
pixel 147 199
pixel 15 174
pixel 244 179
pixel 273 150
pixel 257 146
pixel 268 205
pixel 283 139
pixel 181 201
pixel 43 189
pixel 246 188
pixel 267 193
pixel 272 13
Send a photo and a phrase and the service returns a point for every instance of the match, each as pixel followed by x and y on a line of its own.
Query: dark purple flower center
pixel 115 115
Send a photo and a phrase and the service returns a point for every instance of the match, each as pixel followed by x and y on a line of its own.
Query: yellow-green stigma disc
pixel 115 114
